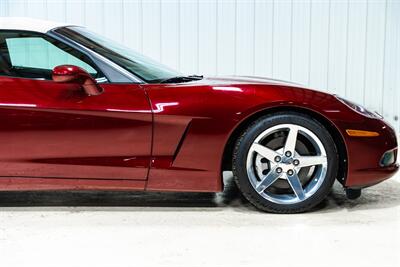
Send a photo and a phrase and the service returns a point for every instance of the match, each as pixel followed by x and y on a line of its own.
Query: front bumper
pixel 371 159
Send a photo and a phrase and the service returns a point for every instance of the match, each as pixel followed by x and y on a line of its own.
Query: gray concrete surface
pixel 177 229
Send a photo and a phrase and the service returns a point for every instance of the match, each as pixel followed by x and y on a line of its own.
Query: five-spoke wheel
pixel 285 163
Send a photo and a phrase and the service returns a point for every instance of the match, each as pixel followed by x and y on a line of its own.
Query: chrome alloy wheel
pixel 300 160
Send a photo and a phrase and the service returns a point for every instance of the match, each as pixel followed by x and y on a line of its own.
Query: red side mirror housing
pixel 75 74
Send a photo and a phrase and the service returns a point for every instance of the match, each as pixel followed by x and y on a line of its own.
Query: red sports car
pixel 79 111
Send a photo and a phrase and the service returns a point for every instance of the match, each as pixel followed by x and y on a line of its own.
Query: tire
pixel 292 182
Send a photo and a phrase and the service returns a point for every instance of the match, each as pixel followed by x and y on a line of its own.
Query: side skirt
pixel 40 184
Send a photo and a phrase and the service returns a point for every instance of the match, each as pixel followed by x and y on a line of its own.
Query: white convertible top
pixel 29 24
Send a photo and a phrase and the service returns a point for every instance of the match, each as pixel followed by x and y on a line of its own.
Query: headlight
pixel 360 109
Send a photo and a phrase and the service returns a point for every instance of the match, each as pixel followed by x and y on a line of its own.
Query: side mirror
pixel 75 74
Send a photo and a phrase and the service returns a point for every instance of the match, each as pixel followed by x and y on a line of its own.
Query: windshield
pixel 141 66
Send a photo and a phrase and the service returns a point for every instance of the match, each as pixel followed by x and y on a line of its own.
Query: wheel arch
pixel 336 135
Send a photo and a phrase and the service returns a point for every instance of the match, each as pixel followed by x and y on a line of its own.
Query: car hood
pixel 229 80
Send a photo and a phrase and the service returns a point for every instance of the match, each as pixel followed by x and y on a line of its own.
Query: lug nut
pixel 278 170
pixel 278 159
pixel 288 154
pixel 290 172
pixel 296 162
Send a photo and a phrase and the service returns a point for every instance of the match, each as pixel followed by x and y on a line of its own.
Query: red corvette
pixel 79 111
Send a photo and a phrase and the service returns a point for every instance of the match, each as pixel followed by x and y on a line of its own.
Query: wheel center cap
pixel 286 166
pixel 287 161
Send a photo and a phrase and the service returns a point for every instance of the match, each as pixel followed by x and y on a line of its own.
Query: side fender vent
pixel 183 137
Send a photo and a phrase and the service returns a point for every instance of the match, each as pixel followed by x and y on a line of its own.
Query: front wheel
pixel 285 163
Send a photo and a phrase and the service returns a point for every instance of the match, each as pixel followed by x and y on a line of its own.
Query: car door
pixel 55 130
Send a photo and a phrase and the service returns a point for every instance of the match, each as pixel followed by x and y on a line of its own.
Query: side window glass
pixel 34 56
pixel 35 52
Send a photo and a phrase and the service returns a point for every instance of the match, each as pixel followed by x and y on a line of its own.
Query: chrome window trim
pixel 131 77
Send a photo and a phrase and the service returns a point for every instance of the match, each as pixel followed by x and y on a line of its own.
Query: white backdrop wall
pixel 349 47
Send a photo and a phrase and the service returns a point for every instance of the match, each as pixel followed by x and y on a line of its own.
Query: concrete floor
pixel 152 229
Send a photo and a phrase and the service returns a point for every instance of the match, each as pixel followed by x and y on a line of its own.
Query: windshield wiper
pixel 182 79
